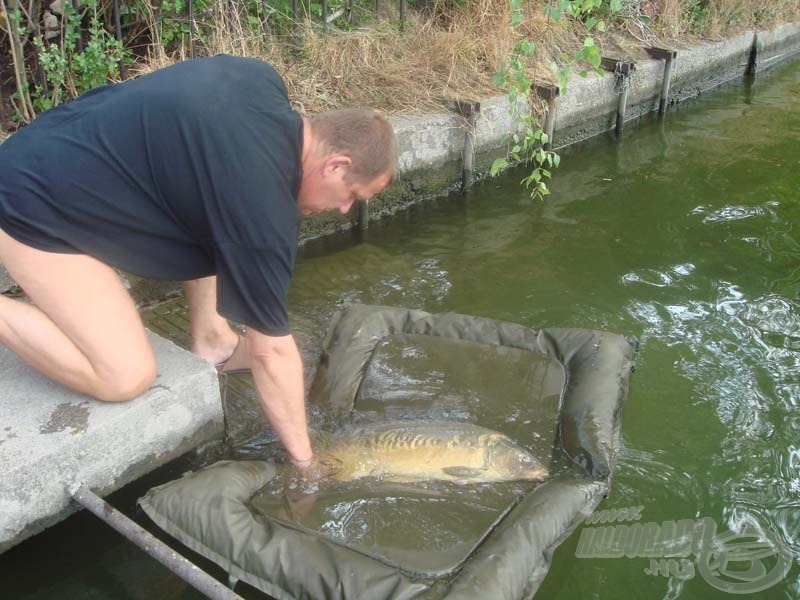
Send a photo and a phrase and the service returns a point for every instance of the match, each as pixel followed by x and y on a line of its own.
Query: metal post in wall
pixel 363 215
pixel 265 23
pixel 623 70
pixel 469 110
pixel 549 92
pixel 752 61
pixel 118 36
pixel 157 549
pixel 668 56
pixel 79 29
pixel 190 8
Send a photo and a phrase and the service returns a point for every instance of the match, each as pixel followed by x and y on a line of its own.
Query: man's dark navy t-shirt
pixel 189 171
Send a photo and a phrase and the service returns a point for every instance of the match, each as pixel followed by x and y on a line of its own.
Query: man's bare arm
pixel 278 374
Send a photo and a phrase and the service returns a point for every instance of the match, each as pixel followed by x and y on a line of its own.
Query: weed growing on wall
pixel 527 140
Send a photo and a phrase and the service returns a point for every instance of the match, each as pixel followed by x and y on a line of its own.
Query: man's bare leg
pixel 212 336
pixel 83 329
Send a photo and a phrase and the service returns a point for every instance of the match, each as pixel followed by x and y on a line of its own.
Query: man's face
pixel 329 188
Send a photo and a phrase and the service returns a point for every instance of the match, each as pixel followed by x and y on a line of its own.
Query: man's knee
pixel 122 387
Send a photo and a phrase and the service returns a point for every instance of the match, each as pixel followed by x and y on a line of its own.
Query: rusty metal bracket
pixel 661 53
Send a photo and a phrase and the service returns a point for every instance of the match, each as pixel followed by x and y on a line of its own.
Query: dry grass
pixel 452 49
pixel 718 18
pixel 443 54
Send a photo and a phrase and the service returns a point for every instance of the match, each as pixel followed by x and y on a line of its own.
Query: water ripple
pixel 737 212
pixel 656 278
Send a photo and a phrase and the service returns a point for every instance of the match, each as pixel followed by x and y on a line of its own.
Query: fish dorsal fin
pixel 462 472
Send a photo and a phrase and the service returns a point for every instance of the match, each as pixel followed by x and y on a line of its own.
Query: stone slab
pixel 52 439
pixel 6 282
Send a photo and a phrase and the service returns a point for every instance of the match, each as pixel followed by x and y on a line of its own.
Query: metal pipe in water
pixel 621 108
pixel 363 215
pixel 157 549
pixel 664 100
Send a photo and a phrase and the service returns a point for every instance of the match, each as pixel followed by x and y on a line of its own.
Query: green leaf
pixel 601 26
pixel 498 166
pixel 525 47
pixel 616 5
pixel 516 18
pixel 556 159
pixel 553 12
pixel 588 42
pixel 591 22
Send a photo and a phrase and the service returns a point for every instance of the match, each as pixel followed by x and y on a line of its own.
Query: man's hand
pixel 278 375
pixel 306 476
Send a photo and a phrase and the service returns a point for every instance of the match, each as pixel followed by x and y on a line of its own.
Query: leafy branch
pixel 527 142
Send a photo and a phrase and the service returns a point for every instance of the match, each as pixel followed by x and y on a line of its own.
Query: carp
pixel 414 451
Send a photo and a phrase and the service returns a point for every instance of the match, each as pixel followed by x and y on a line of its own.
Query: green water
pixel 684 235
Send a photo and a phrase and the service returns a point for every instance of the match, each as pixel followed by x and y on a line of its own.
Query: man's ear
pixel 336 162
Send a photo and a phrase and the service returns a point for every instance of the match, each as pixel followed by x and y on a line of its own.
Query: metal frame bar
pixel 157 549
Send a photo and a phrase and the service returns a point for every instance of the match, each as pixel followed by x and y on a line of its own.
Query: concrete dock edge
pixel 53 440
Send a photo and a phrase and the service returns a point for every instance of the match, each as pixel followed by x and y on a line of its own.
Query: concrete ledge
pixel 52 439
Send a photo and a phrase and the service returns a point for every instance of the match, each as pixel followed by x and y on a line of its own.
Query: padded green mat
pixel 556 392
